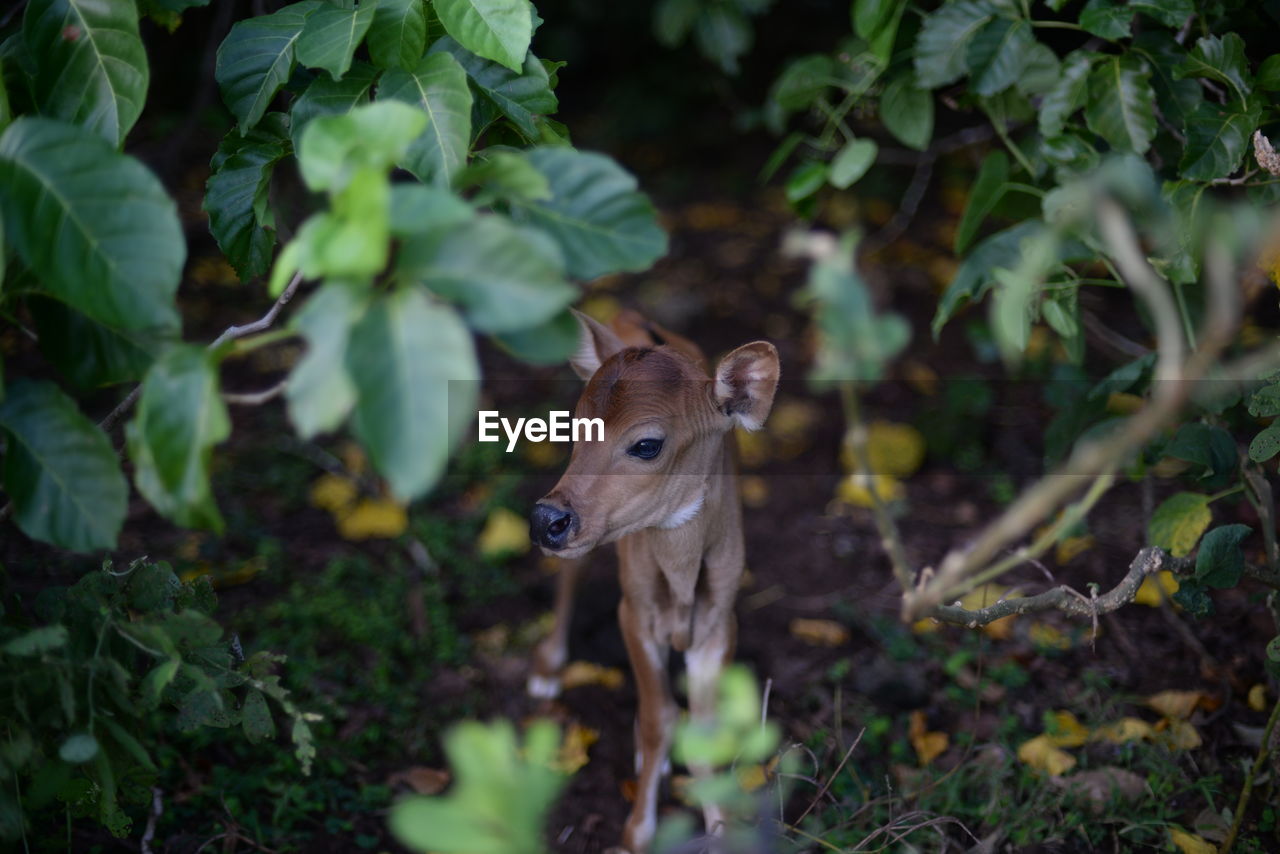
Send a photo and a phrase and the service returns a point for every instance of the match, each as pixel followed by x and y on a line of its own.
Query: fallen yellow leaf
pixel 1149 593
pixel 1258 697
pixel 1047 637
pixel 1040 754
pixel 751 777
pixel 895 450
pixel 753 448
pixel 372 518
pixel 424 781
pixel 1123 731
pixel 601 306
pixel 504 534
pixel 819 632
pixel 790 425
pixel 1069 547
pixel 333 492
pixel 354 458
pixel 1177 704
pixel 928 745
pixel 1066 730
pixel 1179 735
pixel 986 595
pixel 580 673
pixel 574 750
pixel 856 489
pixel 1189 843
pixel 755 490
pixel 925 626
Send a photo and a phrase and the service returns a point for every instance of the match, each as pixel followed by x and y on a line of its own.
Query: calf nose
pixel 550 525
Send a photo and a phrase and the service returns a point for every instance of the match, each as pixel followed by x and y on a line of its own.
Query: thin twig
pixel 1264 750
pixel 256 398
pixel 157 810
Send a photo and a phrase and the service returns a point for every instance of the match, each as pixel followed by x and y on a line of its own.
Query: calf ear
pixel 596 342
pixel 746 380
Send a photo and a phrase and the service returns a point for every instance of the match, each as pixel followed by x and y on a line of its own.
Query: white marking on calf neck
pixel 684 514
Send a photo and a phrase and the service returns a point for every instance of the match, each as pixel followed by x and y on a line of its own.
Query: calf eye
pixel 645 449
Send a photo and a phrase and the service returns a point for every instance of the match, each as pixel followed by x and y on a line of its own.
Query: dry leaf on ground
pixel 819 632
pixel 1124 731
pixel 372 518
pixel 505 533
pixel 1040 754
pixel 1067 731
pixel 1100 785
pixel 928 745
pixel 1149 593
pixel 579 673
pixel 1189 843
pixel 424 781
pixel 574 750
pixel 1177 704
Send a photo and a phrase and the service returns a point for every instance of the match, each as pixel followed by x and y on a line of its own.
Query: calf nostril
pixel 558 527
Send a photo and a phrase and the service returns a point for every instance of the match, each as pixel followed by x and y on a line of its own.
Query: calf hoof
pixel 543 687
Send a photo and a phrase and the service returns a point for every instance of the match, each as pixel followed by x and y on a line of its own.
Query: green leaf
pixel 1265 402
pixel 988 189
pixel 369 138
pixel 419 208
pixel 416 377
pixel 1193 598
pixel 1171 13
pixel 331 35
pixel 504 277
pixel 78 749
pixel 1176 97
pixel 1041 73
pixel 548 343
pixel 1269 73
pixel 37 641
pixel 852 162
pixel 907 112
pixel 1216 142
pixel 1220 561
pixel 89 354
pixel 723 35
pixel 1179 521
pixel 944 40
pixel 257 57
pixel 437 84
pixel 1106 19
pixel 1208 446
pixel 805 180
pixel 1121 105
pixel 974 278
pixel 325 96
pixel 499 30
pixel 803 81
pixel 59 470
pixel 602 223
pixel 998 54
pixel 255 718
pixel 236 195
pixel 1266 444
pixel 1221 59
pixel 94 225
pixel 319 391
pixel 91 68
pixel 1013 308
pixel 673 19
pixel 180 418
pixel 1068 94
pixel 159 678
pixel 522 96
pixel 1273 649
pixel 398 35
pixel 503 175
pixel 870 16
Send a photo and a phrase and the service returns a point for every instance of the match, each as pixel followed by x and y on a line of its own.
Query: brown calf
pixel 662 485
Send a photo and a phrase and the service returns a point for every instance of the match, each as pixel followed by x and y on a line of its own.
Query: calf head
pixel 665 428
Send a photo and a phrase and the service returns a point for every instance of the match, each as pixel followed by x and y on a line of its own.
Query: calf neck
pixel 662 485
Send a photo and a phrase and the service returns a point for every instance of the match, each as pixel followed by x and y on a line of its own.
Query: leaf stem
pixel 1058 25
pixel 1239 487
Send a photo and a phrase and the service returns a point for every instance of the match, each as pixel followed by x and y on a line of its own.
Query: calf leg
pixel 655 721
pixel 552 652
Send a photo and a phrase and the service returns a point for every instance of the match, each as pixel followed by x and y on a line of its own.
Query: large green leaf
pixel 398 35
pixel 1121 106
pixel 180 418
pixel 1216 141
pixel 414 367
pixel 944 39
pixel 1106 19
pixel 974 278
pixel 325 96
pixel 521 95
pixel 998 53
pixel 803 81
pixel 94 225
pixel 907 111
pixel 1176 97
pixel 372 136
pixel 1222 59
pixel 499 30
pixel 257 57
pixel 548 343
pixel 852 162
pixel 91 68
pixel 86 352
pixel 1178 522
pixel 504 277
pixel 1220 561
pixel 438 85
pixel 59 470
pixel 1266 444
pixel 1171 13
pixel 331 35
pixel 1068 94
pixel 320 392
pixel 602 223
pixel 1269 73
pixel 988 189
pixel 236 195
